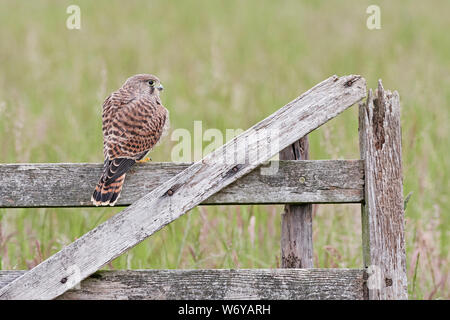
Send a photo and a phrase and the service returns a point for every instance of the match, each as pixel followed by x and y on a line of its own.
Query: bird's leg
pixel 146 159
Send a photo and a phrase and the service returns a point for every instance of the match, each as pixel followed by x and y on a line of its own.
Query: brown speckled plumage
pixel 134 120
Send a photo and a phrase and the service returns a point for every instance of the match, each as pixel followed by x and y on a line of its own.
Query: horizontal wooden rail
pixel 71 184
pixel 216 284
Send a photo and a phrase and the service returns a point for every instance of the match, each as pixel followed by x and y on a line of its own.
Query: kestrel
pixel 134 120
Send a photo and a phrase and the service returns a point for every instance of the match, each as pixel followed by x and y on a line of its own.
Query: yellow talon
pixel 146 159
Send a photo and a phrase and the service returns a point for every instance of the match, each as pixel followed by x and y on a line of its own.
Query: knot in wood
pixel 350 82
pixel 64 280
pixel 388 282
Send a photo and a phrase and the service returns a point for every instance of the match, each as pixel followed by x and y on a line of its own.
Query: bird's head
pixel 144 84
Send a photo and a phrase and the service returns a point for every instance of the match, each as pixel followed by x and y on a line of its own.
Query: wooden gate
pixel 159 193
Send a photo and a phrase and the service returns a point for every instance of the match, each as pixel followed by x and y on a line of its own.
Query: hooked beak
pixel 160 87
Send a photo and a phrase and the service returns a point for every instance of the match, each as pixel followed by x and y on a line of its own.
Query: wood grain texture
pixel 186 190
pixel 71 185
pixel 296 220
pixel 383 213
pixel 270 284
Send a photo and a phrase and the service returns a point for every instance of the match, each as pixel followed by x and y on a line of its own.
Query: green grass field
pixel 228 64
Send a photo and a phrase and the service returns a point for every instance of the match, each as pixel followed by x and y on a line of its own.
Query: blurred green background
pixel 228 64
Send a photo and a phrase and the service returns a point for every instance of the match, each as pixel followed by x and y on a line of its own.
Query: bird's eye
pixel 151 83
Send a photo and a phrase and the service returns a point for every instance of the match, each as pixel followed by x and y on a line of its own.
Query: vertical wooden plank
pixel 296 221
pixel 382 211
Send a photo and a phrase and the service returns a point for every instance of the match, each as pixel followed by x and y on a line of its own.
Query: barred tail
pixel 107 193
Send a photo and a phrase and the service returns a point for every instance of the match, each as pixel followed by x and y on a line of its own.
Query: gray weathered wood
pixel 71 185
pixel 189 188
pixel 296 220
pixel 287 284
pixel 382 213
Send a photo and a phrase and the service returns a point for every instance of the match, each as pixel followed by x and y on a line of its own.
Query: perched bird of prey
pixel 134 120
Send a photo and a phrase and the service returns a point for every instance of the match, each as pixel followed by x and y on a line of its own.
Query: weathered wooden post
pixel 382 211
pixel 296 220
